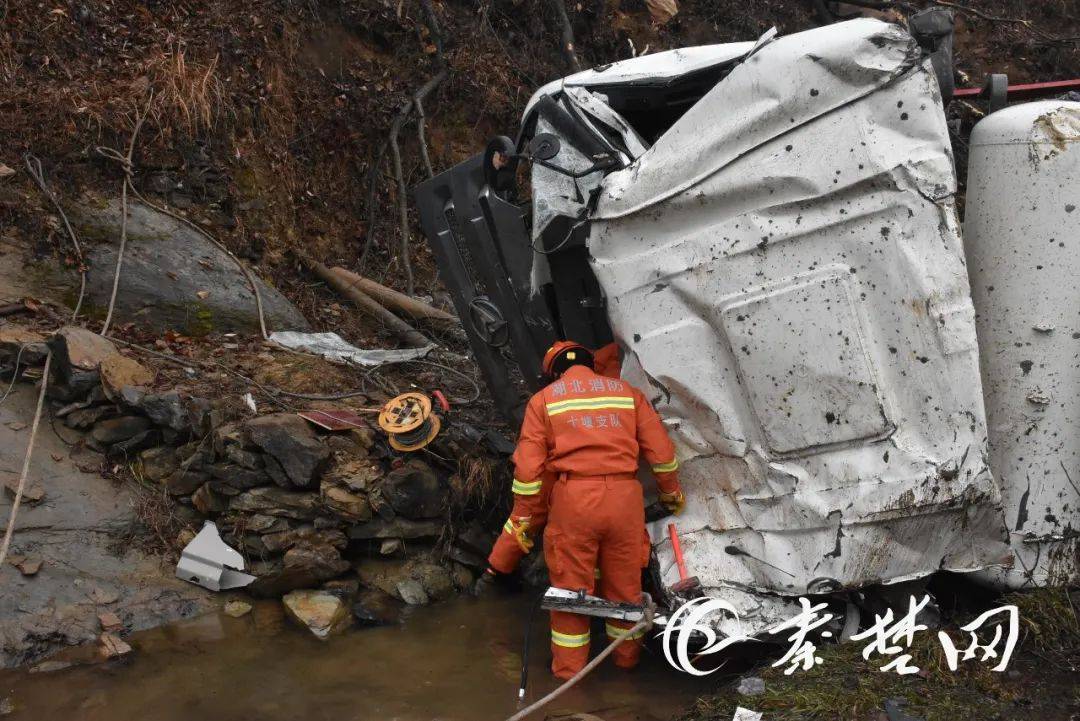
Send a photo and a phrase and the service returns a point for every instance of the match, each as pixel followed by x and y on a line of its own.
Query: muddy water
pixel 456 661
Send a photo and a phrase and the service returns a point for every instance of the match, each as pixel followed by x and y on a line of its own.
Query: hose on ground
pixel 643 625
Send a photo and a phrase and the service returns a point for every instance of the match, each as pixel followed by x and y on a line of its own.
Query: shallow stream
pixel 458 661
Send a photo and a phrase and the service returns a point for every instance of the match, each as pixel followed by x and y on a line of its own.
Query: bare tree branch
pixel 567 35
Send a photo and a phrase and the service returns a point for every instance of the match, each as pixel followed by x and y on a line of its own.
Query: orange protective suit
pixel 506 554
pixel 577 459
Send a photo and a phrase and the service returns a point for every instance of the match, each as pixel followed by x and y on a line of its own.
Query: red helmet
pixel 564 350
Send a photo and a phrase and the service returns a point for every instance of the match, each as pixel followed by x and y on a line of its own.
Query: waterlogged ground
pixel 455 662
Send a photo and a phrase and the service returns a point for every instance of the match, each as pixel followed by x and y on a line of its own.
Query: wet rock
pixel 195 455
pixel 412 592
pixel 237 477
pixel 245 459
pixel 86 417
pixel 274 501
pixel 208 502
pixel 289 440
pixel 228 435
pixel 391 546
pixel 110 622
pixel 346 446
pixel 347 505
pixel 750 686
pixel 375 608
pixel 184 482
pixel 103 596
pixel 112 646
pixel 322 613
pixel 261 523
pixel 51 666
pixel 155 464
pixel 32 492
pixel 200 416
pixel 33 346
pixel 463 578
pixel 397 528
pixel 365 437
pixel 273 579
pixel 138 442
pixel 76 348
pixel 77 355
pixel 276 473
pixel 436 581
pixel 320 559
pixel 223 489
pixel 380 505
pixel 474 539
pixel 28 566
pixel 114 430
pixel 236 608
pixel 282 541
pixel 165 409
pixel 357 475
pixel 204 290
pixel 414 491
pixel 343 588
pixel 118 371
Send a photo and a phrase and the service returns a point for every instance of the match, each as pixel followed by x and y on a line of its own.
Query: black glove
pixel 485 585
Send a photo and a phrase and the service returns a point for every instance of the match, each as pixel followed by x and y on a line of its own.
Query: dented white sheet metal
pixel 784 270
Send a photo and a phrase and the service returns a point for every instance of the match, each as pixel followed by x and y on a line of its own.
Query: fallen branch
pixel 373 183
pixel 13 308
pixel 567 45
pixel 126 163
pixel 33 166
pixel 10 531
pixel 409 335
pixel 392 298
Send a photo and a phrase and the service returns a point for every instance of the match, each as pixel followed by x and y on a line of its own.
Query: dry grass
pixel 190 95
pixel 845 686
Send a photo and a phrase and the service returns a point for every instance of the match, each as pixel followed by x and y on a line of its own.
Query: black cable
pixel 527 644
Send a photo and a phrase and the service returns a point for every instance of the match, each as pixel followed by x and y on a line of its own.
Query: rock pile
pixel 304 507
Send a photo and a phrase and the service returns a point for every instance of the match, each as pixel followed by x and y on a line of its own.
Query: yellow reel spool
pixel 409 422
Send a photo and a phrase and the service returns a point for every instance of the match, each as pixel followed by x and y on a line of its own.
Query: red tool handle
pixel 676 547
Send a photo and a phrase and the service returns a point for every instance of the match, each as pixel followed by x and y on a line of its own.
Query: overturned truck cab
pixel 768 231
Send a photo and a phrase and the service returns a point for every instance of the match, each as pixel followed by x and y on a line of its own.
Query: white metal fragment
pixel 208 562
pixel 334 347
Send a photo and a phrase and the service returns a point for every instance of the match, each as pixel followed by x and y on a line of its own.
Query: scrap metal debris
pixel 210 563
pixel 333 347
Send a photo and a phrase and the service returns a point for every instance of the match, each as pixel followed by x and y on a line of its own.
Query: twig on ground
pixel 420 118
pixel 126 165
pixel 33 166
pixel 567 33
pixel 373 184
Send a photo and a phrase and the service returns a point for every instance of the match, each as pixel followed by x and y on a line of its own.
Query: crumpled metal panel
pixel 784 270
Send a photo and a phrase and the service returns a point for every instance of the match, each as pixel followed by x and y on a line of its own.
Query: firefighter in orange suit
pixel 577 460
pixel 507 552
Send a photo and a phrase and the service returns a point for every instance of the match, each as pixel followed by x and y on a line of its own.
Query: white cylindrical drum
pixel 1022 238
